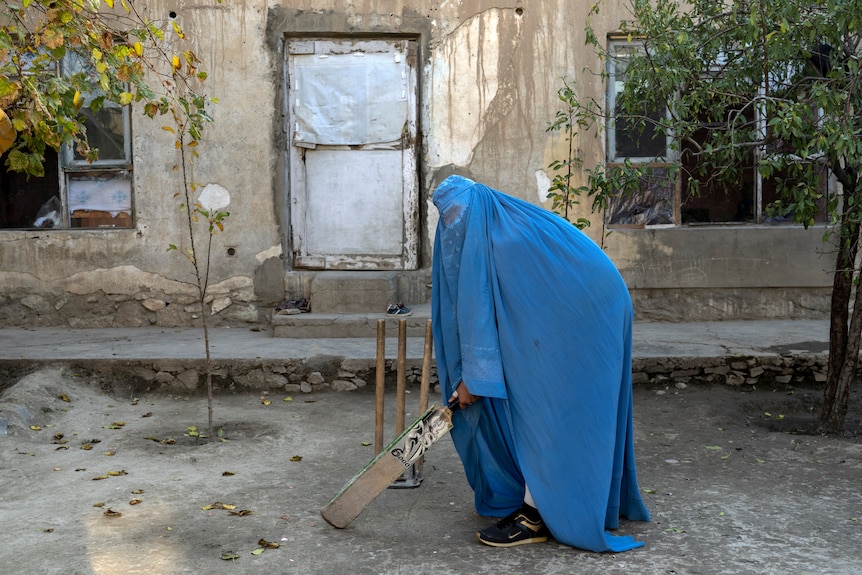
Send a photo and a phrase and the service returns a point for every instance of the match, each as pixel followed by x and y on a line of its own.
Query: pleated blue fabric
pixel 534 318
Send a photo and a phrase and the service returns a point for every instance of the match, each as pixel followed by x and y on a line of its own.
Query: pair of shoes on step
pixel 398 310
pixel 518 528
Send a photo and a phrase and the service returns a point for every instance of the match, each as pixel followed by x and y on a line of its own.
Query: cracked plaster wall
pixel 489 76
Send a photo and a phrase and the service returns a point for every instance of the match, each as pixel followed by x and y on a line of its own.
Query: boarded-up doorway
pixel 351 123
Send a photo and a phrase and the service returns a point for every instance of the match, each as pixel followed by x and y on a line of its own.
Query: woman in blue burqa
pixel 532 327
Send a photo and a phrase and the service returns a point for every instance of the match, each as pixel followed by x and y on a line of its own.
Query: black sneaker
pixel 399 310
pixel 523 526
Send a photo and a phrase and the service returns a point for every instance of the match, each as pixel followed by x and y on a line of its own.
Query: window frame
pixel 71 168
pixel 615 43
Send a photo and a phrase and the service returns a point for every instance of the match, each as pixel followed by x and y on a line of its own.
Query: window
pixel 639 142
pixel 74 192
pixel 626 141
pixel 664 195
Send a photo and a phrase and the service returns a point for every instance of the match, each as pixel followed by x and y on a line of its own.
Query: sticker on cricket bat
pixel 387 466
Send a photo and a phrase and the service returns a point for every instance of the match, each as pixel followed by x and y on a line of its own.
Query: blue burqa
pixel 536 319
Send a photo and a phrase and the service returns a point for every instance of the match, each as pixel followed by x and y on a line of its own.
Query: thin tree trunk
pixel 843 334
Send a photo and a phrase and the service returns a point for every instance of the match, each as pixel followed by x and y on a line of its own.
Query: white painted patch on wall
pixel 214 197
pixel 273 252
pixel 433 217
pixel 543 184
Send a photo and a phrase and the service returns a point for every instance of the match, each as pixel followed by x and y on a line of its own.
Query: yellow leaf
pixel 175 62
pixel 288 398
pixel 63 396
pixel 178 31
pixel 101 67
pixel 135 501
pixel 97 54
pixel 36 428
pixel 168 129
pixel 126 98
pixel 139 50
pixel 117 473
pixel 257 551
pixel 296 458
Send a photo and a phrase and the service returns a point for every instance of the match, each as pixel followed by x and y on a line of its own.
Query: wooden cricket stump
pixel 412 476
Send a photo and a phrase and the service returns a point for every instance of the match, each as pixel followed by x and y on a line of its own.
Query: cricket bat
pixel 388 465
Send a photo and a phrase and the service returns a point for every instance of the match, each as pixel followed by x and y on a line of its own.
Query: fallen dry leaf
pixel 269 544
pixel 218 505
pixel 111 513
pixel 229 556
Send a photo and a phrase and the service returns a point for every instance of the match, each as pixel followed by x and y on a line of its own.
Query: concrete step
pixel 341 325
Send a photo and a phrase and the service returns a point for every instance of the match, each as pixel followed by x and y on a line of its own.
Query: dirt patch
pixel 730 491
pixel 796 410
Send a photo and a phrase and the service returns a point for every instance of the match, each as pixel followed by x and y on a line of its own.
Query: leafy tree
pixel 774 85
pixel 129 60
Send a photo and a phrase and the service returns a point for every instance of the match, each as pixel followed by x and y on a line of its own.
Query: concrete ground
pixel 113 481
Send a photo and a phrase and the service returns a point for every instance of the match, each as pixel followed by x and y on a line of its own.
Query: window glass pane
pixel 652 205
pixel 100 200
pixel 31 202
pixel 639 141
pixel 106 131
pixel 633 137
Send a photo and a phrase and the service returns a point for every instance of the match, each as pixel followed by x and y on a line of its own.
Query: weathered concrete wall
pixel 722 272
pixel 490 71
pixel 100 278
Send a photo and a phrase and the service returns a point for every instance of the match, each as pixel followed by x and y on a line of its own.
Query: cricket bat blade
pixel 387 466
